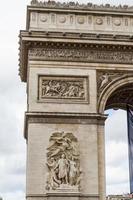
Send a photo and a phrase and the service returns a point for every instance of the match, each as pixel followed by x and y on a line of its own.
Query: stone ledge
pixel 63 195
pixel 61 118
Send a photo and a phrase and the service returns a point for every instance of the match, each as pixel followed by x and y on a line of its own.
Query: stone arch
pixel 116 86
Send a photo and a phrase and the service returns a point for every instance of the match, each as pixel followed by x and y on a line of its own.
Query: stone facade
pixel 75 59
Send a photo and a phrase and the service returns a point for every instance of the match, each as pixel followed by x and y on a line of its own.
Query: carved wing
pixel 51 144
pixel 71 137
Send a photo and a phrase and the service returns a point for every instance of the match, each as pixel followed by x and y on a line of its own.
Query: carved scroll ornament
pixel 63 162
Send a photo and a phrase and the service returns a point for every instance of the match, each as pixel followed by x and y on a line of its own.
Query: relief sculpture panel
pixel 63 163
pixel 63 88
pixel 107 77
pixel 79 54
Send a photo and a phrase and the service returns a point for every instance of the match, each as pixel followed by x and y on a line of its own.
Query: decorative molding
pixel 73 52
pixel 63 162
pixel 70 120
pixel 117 21
pixel 84 196
pixel 77 35
pixel 77 22
pixel 61 118
pixel 81 54
pixel 99 21
pixel 58 88
pixel 76 5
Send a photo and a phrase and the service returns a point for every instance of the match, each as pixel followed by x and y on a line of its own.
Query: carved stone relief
pixel 99 21
pixel 43 18
pixel 111 22
pixel 81 20
pixel 62 19
pixel 117 22
pixel 79 54
pixel 63 162
pixel 63 88
pixel 105 78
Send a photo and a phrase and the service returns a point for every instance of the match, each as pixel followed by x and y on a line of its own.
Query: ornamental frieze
pixel 85 22
pixel 68 89
pixel 84 55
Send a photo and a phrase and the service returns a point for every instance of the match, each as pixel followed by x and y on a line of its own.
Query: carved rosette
pixel 63 163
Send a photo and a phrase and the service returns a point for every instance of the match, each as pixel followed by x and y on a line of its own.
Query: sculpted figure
pixel 63 161
pixel 63 167
pixel 105 80
pixel 61 143
pixel 72 172
pixel 52 181
pixel 79 178
pixel 63 89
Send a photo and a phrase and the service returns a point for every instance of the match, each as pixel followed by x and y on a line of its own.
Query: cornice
pixel 77 6
pixel 76 35
pixel 30 40
pixel 55 194
pixel 61 118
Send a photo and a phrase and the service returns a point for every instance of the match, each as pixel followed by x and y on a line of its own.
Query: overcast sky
pixel 13 105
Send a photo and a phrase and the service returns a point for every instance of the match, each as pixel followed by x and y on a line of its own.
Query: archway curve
pixel 110 89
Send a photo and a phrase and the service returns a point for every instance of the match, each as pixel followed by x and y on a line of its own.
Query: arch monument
pixel 77 61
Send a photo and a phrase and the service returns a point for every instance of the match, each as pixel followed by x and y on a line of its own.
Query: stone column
pixel 101 161
pixel 40 129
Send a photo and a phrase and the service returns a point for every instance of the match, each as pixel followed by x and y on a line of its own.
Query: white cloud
pixel 116 125
pixel 18 195
pixel 116 153
pixel 117 171
pixel 12 104
pixel 121 188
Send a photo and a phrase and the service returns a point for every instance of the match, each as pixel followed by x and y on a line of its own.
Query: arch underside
pixel 121 97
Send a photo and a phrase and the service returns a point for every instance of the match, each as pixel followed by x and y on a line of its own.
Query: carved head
pixel 72 158
pixel 63 156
